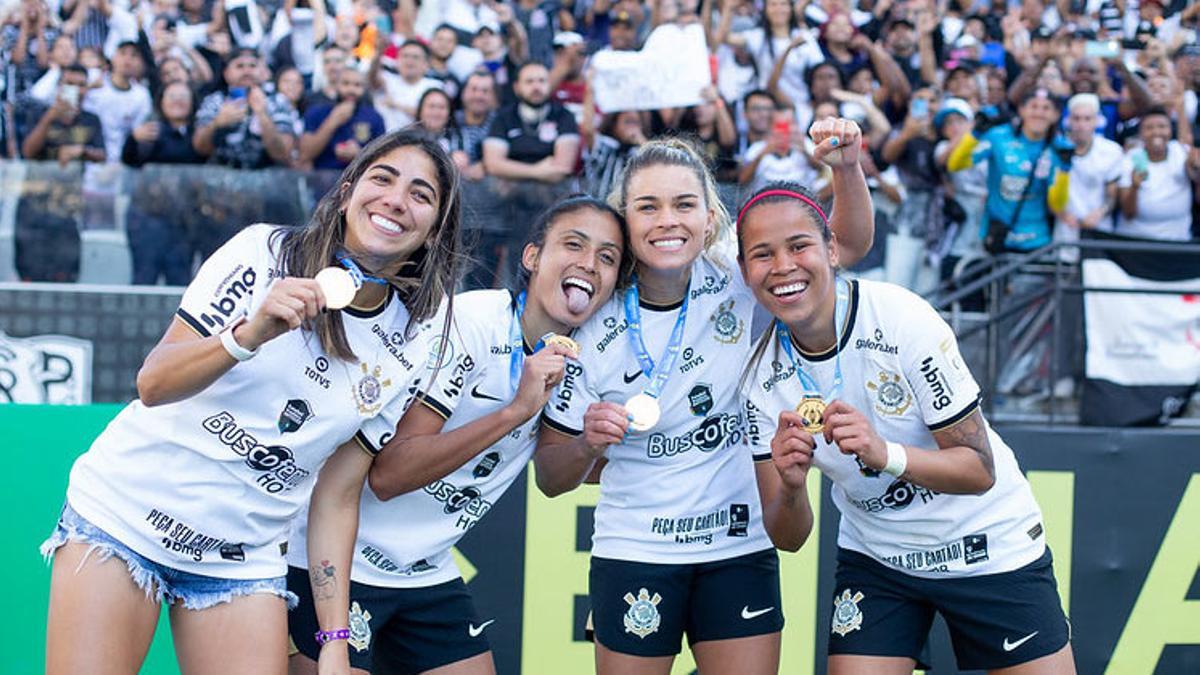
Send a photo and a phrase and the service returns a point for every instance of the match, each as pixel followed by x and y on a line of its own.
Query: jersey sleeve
pixel 945 390
pixel 224 287
pixel 759 431
pixel 564 411
pixel 459 368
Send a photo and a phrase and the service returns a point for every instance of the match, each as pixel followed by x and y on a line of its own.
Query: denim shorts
pixel 160 582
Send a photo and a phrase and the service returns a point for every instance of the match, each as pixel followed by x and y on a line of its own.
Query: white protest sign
pixel 669 72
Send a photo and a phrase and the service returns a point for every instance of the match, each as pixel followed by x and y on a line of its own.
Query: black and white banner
pixel 54 369
pixel 1143 350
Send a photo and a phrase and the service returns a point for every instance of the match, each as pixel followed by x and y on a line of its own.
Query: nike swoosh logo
pixel 1009 646
pixel 747 614
pixel 478 394
pixel 475 631
pixel 630 378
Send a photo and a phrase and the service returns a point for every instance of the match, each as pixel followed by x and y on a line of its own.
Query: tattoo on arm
pixel 324 582
pixel 972 433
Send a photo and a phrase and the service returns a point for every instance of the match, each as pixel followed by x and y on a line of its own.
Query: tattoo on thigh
pixel 324 581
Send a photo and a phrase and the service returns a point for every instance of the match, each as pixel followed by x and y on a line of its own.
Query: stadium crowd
pixel 1005 125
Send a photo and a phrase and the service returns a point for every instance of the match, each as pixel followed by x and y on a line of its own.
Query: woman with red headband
pixel 652 407
pixel 864 381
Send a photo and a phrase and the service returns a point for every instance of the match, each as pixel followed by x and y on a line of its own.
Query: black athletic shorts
pixel 396 630
pixel 644 609
pixel 995 620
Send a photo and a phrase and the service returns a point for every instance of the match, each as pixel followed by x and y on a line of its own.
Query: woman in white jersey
pixel 866 383
pixel 186 497
pixel 679 545
pixel 452 456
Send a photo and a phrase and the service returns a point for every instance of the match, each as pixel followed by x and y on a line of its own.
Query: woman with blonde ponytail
pixel 654 412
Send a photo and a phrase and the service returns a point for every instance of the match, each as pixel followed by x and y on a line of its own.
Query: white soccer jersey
pixel 405 542
pixel 684 491
pixel 210 484
pixel 902 369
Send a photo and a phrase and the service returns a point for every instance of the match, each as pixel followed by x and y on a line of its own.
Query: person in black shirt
pixel 156 227
pixel 534 138
pixel 65 131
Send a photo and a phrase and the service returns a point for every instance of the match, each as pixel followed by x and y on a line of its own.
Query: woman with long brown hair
pixel 186 497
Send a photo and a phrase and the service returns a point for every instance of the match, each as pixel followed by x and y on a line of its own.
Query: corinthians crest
pixel 368 392
pixel 642 618
pixel 847 617
pixel 891 398
pixel 728 326
pixel 360 627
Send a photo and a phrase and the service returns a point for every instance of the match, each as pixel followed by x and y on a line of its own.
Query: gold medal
pixel 812 410
pixel 337 286
pixel 564 342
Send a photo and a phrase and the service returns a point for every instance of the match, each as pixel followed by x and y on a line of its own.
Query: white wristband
pixel 235 350
pixel 897 460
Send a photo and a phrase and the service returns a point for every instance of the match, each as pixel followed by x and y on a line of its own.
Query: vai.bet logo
pixel 236 288
pixel 279 471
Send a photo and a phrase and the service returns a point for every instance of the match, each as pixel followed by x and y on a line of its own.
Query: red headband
pixel 781 193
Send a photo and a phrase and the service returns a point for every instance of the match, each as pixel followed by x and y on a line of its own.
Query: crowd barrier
pixel 77 223
pixel 1121 509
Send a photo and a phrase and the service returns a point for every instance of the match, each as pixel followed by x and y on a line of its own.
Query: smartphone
pixel 713 67
pixel 919 108
pixel 782 134
pixel 237 93
pixel 1102 49
pixel 1141 161
pixel 70 94
pixel 384 23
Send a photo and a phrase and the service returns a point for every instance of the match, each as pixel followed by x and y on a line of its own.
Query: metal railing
pixel 1028 290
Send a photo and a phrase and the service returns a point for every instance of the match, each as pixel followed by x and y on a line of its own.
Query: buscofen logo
pixel 877 343
pixel 938 385
pixel 279 471
pixel 469 500
pixel 718 431
pixel 897 496
pixel 236 288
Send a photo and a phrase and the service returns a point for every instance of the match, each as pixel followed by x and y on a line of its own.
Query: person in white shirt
pixel 452 455
pixel 1156 201
pixel 679 544
pixel 780 156
pixel 397 99
pixel 121 104
pixel 1095 171
pixel 864 381
pixel 186 497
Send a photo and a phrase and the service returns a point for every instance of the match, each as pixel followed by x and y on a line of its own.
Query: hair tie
pixel 781 193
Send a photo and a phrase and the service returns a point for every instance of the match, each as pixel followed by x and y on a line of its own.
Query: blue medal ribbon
pixel 659 375
pixel 357 274
pixel 516 343
pixel 807 383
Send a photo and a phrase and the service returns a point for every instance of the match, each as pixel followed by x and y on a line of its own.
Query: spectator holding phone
pixel 911 150
pixel 65 132
pixel 1155 195
pixel 242 126
pixel 781 156
pixel 1027 179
